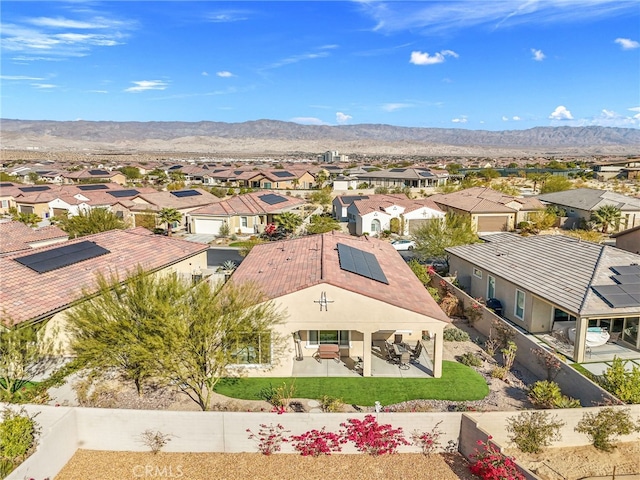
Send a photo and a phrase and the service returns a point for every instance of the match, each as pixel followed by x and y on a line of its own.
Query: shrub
pixel 317 442
pixel 622 383
pixel 548 361
pixel 370 437
pixel 154 440
pixel 18 437
pixel 543 394
pixel 473 312
pixel 330 404
pixel 427 441
pixel 269 438
pixel 531 431
pixel 601 427
pixel 454 334
pixel 490 464
pixel 224 230
pixel 470 359
pixel 509 355
pixel 499 372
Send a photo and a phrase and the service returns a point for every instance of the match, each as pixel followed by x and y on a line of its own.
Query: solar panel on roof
pixel 6 184
pixel 98 172
pixel 626 279
pixel 627 270
pixel 272 198
pixel 175 167
pixel 397 170
pixel 123 193
pixel 361 263
pixel 95 186
pixel 353 198
pixel 425 174
pixel 616 297
pixel 39 188
pixel 60 257
pixel 283 174
pixel 631 288
pixel 185 193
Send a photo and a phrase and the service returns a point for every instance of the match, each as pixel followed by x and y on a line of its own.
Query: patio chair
pixel 390 353
pixel 405 358
pixel 415 354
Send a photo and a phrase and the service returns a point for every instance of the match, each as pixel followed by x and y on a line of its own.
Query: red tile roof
pixel 485 200
pixel 28 295
pixel 287 266
pixel 249 203
pixel 16 236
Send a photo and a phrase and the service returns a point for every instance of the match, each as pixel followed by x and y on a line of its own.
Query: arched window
pixel 375 225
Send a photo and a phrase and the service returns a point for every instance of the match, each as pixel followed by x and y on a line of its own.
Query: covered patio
pixel 352 367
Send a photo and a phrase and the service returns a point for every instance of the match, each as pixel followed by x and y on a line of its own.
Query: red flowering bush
pixel 269 438
pixel 427 441
pixel 490 464
pixel 371 437
pixel 317 442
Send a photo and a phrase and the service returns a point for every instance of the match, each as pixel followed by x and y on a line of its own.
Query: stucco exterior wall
pixel 347 311
pixel 630 241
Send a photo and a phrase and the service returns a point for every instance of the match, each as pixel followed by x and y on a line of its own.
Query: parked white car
pixel 403 244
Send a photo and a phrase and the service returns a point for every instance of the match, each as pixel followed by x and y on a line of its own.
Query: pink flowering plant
pixel 429 442
pixel 317 442
pixel 371 437
pixel 490 464
pixel 269 438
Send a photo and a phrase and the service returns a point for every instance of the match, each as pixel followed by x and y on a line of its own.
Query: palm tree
pixel 605 216
pixel 289 221
pixel 169 216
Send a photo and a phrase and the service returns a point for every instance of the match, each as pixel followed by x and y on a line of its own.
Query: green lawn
pixel 458 383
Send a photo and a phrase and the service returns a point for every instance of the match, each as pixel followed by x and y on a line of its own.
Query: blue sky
pixel 473 64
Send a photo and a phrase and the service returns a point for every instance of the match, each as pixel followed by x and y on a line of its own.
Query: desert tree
pixel 289 221
pixel 88 222
pixel 218 329
pixel 434 236
pixel 25 352
pixel 116 327
pixel 169 216
pixel 322 224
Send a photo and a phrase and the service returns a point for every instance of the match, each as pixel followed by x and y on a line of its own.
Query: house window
pixel 333 337
pixel 477 273
pixel 243 221
pixel 375 226
pixel 519 310
pixel 267 185
pixel 491 287
pixel 252 349
pixel 5 203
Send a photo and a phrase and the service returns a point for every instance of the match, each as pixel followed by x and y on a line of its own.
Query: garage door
pixel 206 225
pixel 498 223
pixel 417 223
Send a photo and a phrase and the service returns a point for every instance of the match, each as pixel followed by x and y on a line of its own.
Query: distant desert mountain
pixel 272 135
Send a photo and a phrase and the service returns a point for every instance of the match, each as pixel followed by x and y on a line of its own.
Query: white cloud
pixel 92 24
pixel 627 43
pixel 392 107
pixel 98 91
pixel 144 85
pixel 228 16
pixel 308 121
pixel 19 77
pixel 225 74
pixel 516 118
pixel 505 119
pixel 538 56
pixel 561 113
pixel 205 74
pixel 461 119
pixel 342 118
pixel 423 58
pixel 44 86
pixel 296 59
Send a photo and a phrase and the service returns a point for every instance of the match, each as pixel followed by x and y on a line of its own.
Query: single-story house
pixel 404 177
pixel 374 214
pixel 580 203
pixel 247 213
pixel 41 284
pixel 628 240
pixel 95 175
pixel 489 210
pixel 549 282
pixel 340 290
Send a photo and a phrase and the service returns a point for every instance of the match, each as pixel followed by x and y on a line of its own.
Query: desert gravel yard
pixel 219 466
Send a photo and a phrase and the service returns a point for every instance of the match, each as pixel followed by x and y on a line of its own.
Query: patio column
pixel 366 354
pixel 579 348
pixel 438 345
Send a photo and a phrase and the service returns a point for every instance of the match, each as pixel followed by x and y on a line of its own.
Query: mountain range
pixel 263 136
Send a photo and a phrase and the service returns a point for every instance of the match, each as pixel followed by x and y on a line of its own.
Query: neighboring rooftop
pixel 263 201
pixel 591 199
pixel 555 267
pixel 287 266
pixel 26 294
pixel 16 236
pixel 486 200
